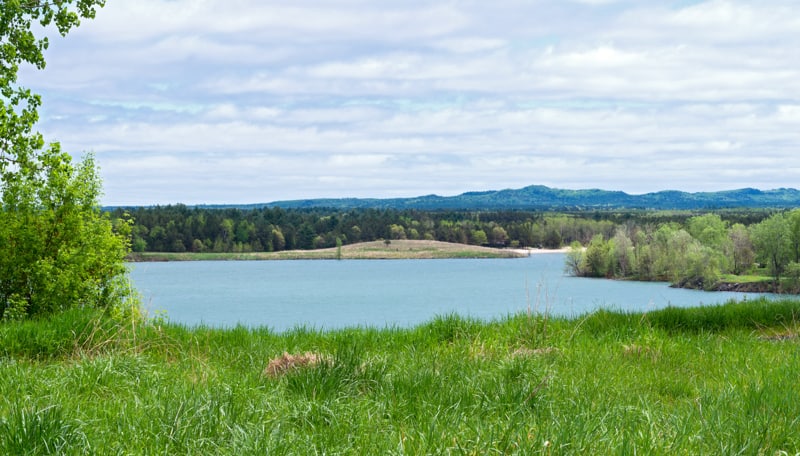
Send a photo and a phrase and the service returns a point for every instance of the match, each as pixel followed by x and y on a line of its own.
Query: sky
pixel 247 101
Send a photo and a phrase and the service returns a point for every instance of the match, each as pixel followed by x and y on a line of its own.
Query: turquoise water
pixel 335 294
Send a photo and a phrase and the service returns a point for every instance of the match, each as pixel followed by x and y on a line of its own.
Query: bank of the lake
pixel 707 380
pixel 758 281
pixel 397 249
pixel 743 286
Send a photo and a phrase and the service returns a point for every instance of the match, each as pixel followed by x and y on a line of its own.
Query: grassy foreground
pixel 710 380
pixel 399 249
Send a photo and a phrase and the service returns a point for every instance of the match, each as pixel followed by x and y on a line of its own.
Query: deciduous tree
pixel 771 238
pixel 57 250
pixel 743 253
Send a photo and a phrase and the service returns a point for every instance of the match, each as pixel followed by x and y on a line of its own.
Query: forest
pixel 687 248
pixel 179 228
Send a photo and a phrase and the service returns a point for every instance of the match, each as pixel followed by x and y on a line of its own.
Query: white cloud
pixel 470 44
pixel 212 101
pixel 362 160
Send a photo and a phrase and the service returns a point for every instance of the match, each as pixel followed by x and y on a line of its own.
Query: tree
pixel 278 241
pixel 306 236
pixel 623 251
pixel 794 233
pixel 712 232
pixel 498 235
pixel 226 234
pixel 643 254
pixel 479 237
pixel 245 231
pixel 743 254
pixel 574 261
pixel 709 229
pixel 663 253
pixel 355 233
pixel 18 106
pixel 700 266
pixel 792 285
pixel 771 239
pixel 397 232
pixel 57 249
pixel 596 259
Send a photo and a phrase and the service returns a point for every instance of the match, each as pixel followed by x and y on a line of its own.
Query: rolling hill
pixel 539 197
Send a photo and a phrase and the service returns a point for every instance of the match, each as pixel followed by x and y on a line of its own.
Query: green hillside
pixel 538 197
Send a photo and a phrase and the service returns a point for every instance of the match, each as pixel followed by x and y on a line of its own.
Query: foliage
pixel 574 260
pixel 742 250
pixel 57 250
pixel 19 45
pixel 597 258
pixel 772 242
pixel 178 228
pixel 792 285
pixel 793 221
pixel 695 253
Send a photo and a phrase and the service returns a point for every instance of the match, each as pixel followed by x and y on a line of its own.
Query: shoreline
pixel 539 251
pixel 374 250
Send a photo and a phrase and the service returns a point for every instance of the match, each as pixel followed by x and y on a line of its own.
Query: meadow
pixel 706 380
pixel 374 250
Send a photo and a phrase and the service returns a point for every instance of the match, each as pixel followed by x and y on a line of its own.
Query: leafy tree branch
pixel 57 249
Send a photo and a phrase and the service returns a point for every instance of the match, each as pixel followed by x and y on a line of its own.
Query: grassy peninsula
pixel 708 380
pixel 397 249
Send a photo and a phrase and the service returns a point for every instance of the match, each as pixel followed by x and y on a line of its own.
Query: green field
pixel 709 380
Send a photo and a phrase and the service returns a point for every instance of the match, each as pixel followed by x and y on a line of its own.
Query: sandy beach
pixel 539 251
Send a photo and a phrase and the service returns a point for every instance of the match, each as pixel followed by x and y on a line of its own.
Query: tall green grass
pixel 708 380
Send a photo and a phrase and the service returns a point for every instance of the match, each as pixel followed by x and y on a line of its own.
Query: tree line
pixel 696 253
pixel 683 247
pixel 180 228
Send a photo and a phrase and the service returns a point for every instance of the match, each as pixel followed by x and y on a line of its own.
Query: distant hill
pixel 539 197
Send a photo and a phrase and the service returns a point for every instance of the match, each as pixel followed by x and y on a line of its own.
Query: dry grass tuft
pixel 286 362
pixel 639 351
pixel 780 336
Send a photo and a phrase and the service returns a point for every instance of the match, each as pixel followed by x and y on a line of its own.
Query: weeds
pixel 534 333
pixel 28 430
pixel 687 381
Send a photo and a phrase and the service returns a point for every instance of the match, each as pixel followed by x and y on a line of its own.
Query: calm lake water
pixel 335 294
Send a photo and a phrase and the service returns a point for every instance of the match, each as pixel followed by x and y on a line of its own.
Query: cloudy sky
pixel 243 101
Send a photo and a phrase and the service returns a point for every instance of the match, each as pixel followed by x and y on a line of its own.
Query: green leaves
pixel 772 240
pixel 19 45
pixel 57 250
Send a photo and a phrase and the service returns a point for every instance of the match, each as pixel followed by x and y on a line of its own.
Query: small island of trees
pixel 698 254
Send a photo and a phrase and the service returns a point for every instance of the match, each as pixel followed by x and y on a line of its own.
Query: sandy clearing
pixel 539 251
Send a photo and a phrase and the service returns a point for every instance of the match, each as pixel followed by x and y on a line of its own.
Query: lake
pixel 331 294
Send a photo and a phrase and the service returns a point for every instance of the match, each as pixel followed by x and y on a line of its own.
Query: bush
pixel 57 249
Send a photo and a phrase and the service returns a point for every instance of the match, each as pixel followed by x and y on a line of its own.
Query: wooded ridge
pixel 539 197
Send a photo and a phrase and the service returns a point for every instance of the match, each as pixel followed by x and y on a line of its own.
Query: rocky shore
pixel 744 287
pixel 747 287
